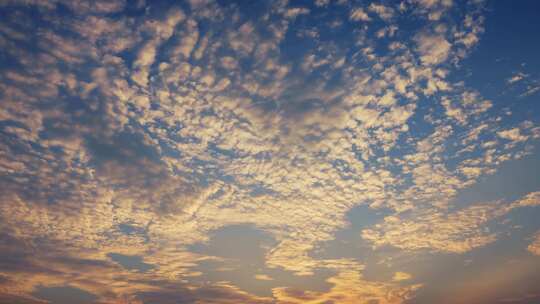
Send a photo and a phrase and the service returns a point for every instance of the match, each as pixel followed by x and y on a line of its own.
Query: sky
pixel 325 151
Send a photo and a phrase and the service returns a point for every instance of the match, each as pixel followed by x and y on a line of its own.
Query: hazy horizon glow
pixel 326 151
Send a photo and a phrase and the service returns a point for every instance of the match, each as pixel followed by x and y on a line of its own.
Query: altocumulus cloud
pixel 134 129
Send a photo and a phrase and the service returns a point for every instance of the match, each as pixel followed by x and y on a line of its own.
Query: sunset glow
pixel 323 151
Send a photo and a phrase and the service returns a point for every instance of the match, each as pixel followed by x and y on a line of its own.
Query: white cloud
pixel 513 135
pixel 384 12
pixel 358 14
pixel 516 78
pixel 295 12
pixel 433 49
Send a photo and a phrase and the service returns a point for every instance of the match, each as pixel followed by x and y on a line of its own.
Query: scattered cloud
pixel 349 286
pixel 384 12
pixel 513 135
pixel 401 276
pixel 435 230
pixel 358 14
pixel 135 131
pixel 516 78
pixel 263 277
pixel 433 49
pixel 534 247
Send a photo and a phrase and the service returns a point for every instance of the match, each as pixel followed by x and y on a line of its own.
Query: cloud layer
pixel 139 129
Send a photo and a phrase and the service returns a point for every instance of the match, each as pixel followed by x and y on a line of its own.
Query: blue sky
pixel 326 151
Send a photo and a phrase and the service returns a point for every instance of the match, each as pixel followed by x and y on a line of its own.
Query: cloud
pixel 516 78
pixel 529 200
pixel 401 276
pixel 433 49
pixel 162 31
pixel 384 12
pixel 222 292
pixel 188 40
pixel 431 229
pixel 349 286
pixel 531 89
pixel 178 123
pixel 433 9
pixel 454 112
pixel 292 13
pixel 263 277
pixel 534 247
pixel 513 135
pixel 358 14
